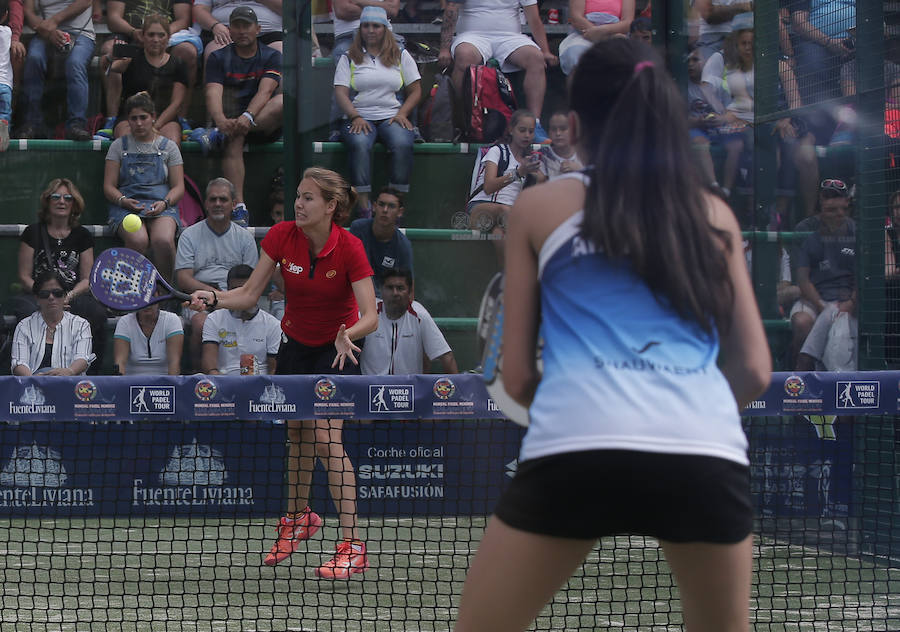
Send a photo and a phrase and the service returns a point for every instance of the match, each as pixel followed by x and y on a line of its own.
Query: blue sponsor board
pixel 237 468
pixel 76 468
pixel 427 468
pixel 207 462
pixel 463 396
pixel 802 466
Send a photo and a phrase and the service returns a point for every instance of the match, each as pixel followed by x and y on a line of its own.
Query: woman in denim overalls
pixel 147 183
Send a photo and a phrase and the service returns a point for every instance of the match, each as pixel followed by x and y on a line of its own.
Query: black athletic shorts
pixel 598 493
pixel 295 358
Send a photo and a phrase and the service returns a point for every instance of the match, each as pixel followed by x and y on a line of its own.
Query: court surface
pixel 206 575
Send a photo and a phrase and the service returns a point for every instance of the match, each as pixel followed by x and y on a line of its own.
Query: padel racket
pixel 490 334
pixel 126 280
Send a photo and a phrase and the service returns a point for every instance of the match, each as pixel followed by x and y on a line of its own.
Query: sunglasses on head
pixel 834 185
pixel 58 293
pixel 61 196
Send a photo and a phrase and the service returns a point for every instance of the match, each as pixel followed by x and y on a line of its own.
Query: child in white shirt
pixel 560 156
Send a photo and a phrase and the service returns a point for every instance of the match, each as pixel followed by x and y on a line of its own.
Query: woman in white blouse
pixel 51 341
pixel 366 83
pixel 148 342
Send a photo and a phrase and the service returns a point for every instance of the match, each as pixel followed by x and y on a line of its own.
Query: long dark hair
pixel 645 202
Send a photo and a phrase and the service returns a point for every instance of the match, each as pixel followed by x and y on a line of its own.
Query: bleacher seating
pixel 451 267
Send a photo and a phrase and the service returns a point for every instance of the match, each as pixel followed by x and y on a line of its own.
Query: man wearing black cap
pixel 242 96
pixel 826 274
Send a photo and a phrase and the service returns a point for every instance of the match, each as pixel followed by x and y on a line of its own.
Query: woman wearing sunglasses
pixel 51 341
pixel 58 243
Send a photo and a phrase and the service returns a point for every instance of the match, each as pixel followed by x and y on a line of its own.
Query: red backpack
pixel 487 102
pixel 190 208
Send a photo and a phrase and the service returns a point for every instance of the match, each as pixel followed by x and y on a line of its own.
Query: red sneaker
pixel 290 533
pixel 349 558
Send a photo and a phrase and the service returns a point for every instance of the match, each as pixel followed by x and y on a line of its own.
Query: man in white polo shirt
pixel 488 29
pixel 406 333
pixel 240 342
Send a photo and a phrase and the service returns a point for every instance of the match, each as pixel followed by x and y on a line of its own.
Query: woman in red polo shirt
pixel 330 303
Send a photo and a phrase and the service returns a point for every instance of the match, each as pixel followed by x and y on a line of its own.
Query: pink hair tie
pixel 638 67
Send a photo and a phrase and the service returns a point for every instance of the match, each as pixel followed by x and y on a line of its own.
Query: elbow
pixel 521 391
pixel 519 383
pixel 753 383
pixel 759 380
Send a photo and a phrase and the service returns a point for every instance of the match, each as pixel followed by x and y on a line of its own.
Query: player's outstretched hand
pixel 345 349
pixel 200 299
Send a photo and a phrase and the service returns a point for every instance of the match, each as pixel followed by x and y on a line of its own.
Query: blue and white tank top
pixel 622 370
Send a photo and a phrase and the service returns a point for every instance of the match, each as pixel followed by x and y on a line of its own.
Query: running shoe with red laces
pixel 349 558
pixel 292 532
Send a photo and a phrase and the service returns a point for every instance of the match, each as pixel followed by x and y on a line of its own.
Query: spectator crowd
pixel 158 52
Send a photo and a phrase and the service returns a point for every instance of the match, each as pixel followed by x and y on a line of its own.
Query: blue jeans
pixel 399 142
pixel 818 70
pixel 5 103
pixel 341 45
pixel 76 65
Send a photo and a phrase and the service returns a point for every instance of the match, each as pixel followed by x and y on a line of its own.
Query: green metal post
pixel 298 117
pixel 766 249
pixel 668 18
pixel 872 193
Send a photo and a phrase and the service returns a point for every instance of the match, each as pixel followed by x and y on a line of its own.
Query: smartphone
pixel 129 51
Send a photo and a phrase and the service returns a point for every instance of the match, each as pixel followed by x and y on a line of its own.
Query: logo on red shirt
pixel 291 267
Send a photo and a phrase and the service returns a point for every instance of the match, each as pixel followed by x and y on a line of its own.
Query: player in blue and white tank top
pixel 635 281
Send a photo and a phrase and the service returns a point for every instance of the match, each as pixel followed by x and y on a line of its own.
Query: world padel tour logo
pixel 444 388
pixel 391 398
pixel 325 389
pixel 205 390
pixel 85 390
pixel 857 394
pixel 794 385
pixel 152 400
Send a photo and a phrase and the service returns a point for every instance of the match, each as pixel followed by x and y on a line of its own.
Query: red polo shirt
pixel 319 291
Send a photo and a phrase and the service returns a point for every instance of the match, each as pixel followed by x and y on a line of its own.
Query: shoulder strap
pixel 504 159
pixel 45 237
pixel 501 169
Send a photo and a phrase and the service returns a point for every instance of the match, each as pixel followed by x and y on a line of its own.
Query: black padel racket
pixel 126 280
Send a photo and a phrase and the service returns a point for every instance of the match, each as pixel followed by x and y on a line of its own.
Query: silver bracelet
pixel 119 200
